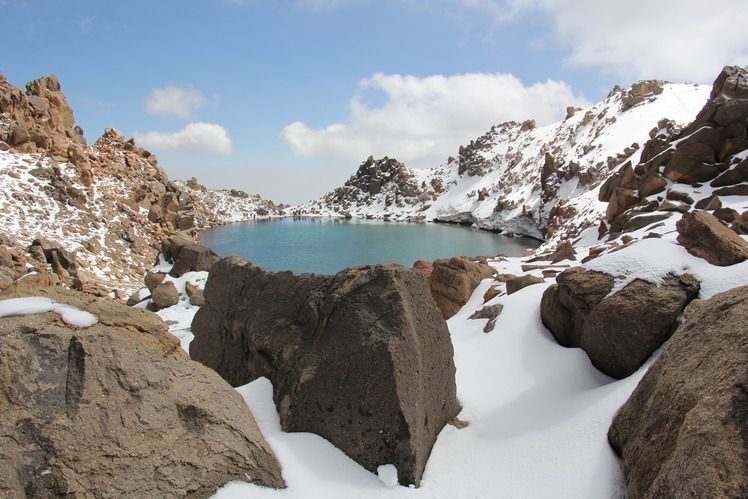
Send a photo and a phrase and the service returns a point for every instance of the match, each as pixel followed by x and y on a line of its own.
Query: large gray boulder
pixel 362 358
pixel 117 409
pixel 684 431
pixel 618 332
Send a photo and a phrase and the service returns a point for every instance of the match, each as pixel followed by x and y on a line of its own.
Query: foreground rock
pixel 683 431
pixel 618 332
pixel 705 237
pixel 362 358
pixel 117 410
pixel 453 281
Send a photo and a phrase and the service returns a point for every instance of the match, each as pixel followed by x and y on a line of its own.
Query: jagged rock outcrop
pixel 453 280
pixel 362 358
pixel 109 204
pixel 618 332
pixel 709 150
pixel 117 409
pixel 704 236
pixel 212 207
pixel 683 431
pixel 640 91
pixel 386 180
pixel 90 197
pixel 39 119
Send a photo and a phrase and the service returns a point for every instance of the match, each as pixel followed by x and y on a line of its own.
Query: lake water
pixel 328 245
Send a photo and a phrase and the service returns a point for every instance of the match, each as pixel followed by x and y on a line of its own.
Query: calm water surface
pixel 328 245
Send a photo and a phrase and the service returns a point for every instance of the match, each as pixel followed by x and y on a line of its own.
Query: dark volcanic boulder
pixel 117 410
pixel 362 358
pixel 187 255
pixel 453 280
pixel 618 332
pixel 684 431
pixel 704 236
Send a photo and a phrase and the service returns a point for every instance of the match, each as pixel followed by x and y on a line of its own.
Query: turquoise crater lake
pixel 328 245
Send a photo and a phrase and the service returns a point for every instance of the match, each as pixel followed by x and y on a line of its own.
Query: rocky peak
pixel 384 180
pixel 110 204
pixel 373 174
pixel 38 120
pixel 470 159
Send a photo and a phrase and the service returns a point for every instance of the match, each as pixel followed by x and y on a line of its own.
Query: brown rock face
pixel 112 411
pixel 453 281
pixel 707 150
pixel 683 431
pixel 618 332
pixel 705 237
pixel 514 285
pixel 362 358
pixel 164 295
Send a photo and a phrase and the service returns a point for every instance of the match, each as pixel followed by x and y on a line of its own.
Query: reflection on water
pixel 328 245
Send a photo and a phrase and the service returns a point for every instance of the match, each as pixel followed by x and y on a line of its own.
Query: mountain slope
pixel 109 204
pixel 518 178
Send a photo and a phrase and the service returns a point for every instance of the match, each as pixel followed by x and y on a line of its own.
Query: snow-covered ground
pixel 538 412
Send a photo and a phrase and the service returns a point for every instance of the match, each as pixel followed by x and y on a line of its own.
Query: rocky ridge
pixel 215 207
pixel 519 178
pixel 107 205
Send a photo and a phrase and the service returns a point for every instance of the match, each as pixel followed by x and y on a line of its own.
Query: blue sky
pixel 286 97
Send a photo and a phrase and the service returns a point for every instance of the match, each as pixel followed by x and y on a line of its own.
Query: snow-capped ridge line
pixel 516 178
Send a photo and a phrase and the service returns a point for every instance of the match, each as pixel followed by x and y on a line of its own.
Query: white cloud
pixel 193 138
pixel 426 119
pixel 688 40
pixel 174 101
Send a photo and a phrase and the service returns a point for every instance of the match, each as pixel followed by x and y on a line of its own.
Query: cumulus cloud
pixel 193 138
pixel 174 101
pixel 424 120
pixel 689 40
